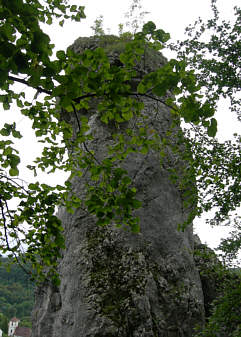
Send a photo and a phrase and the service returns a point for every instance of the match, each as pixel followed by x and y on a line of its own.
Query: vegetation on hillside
pixel 16 294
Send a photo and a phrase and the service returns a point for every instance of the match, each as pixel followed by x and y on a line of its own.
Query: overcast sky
pixel 172 16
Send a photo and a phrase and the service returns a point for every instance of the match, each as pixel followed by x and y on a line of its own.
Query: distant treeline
pixel 16 293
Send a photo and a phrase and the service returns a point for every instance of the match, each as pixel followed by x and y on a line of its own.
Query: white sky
pixel 172 16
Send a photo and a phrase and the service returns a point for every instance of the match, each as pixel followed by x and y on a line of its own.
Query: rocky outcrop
pixel 118 283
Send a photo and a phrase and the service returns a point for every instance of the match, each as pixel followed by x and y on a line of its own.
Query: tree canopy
pixel 212 49
pixel 16 291
pixel 67 82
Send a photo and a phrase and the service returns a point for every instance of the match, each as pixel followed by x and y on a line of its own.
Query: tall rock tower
pixel 115 283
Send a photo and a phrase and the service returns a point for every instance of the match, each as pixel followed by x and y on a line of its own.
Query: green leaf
pixel 16 134
pixel 33 187
pixel 61 55
pixel 161 35
pixel 212 129
pixel 160 90
pixel 126 181
pixel 136 203
pixel 7 151
pixel 3 76
pixel 49 21
pixel 6 106
pixel 127 115
pixel 21 61
pixel 135 227
pixel 13 172
pixel 141 89
pixel 5 132
pixel 19 103
pixel 14 160
pixel 149 28
pixel 73 8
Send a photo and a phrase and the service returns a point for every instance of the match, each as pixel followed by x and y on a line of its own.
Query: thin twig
pixel 21 80
pixel 152 97
pixel 14 182
pixel 4 223
pixel 6 236
pixel 87 150
pixel 79 126
pixel 78 99
pixel 76 116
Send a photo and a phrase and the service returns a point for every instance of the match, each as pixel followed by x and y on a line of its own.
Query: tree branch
pixel 79 126
pixel 6 235
pixel 21 80
pixel 78 99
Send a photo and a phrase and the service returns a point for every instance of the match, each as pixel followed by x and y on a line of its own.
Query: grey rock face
pixel 117 283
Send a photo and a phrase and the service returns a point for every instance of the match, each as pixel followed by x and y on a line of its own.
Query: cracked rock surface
pixel 117 283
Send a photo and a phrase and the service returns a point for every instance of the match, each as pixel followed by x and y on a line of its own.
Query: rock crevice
pixel 117 283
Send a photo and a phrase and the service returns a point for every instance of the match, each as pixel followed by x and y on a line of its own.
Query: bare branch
pixel 6 234
pixel 21 80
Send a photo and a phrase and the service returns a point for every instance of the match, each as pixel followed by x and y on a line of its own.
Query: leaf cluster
pixel 215 56
pixel 71 84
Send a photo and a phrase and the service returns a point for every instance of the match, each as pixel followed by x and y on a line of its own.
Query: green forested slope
pixel 16 293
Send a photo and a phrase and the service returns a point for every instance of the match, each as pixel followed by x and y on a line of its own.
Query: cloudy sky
pixel 172 16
